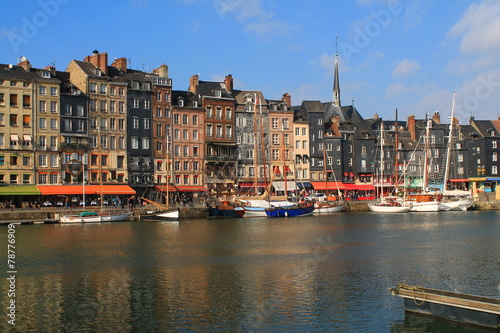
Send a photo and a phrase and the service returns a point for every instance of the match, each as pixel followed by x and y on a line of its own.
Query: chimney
pixel 162 71
pixel 120 63
pixel 287 99
pixel 375 116
pixel 52 70
pixel 25 64
pixel 334 126
pixel 228 81
pixel 411 126
pixel 99 60
pixel 455 121
pixel 193 82
pixel 436 117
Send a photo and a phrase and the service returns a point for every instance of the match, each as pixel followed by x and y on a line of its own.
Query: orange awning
pixel 192 188
pixel 322 186
pixel 65 189
pixel 361 187
pixel 111 189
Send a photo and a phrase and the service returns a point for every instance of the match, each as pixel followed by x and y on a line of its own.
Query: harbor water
pixel 327 273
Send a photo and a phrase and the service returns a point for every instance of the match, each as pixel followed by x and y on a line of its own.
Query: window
pixel 147 103
pixel 93 105
pixel 121 107
pixel 460 157
pixel 275 154
pixel 494 169
pixel 121 124
pixel 103 88
pixel 249 153
pixel 146 123
pixel 79 110
pixel 53 124
pixel 121 91
pixel 185 134
pixel 42 123
pixel 26 100
pixel 176 119
pixel 433 138
pixel 195 120
pixel 195 153
pixel 104 141
pixel 26 160
pixel 112 108
pixel 184 119
pixel 229 131
pixel 112 142
pixel 43 106
pixel 218 113
pixel 104 106
pixel 54 159
pixel 53 91
pixel 42 160
pixel 285 123
pixel 208 112
pixel 436 153
pixel 320 121
pixel 229 114
pixel 219 131
pixel 240 121
pixel 26 120
pixel 177 134
pixel 112 91
pixel 181 102
pixel 494 157
pixel 185 150
pixel 494 144
pixel 177 150
pixel 121 142
pixel 145 143
pixel 104 124
pixel 304 131
pixel 135 122
pixel 42 178
pixel 276 139
pixel 93 88
pixel 134 142
pixel 135 102
pixel 53 107
pixel 274 123
pixel 209 131
pixel 42 90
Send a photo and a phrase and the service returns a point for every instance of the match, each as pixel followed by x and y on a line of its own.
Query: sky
pixel 409 55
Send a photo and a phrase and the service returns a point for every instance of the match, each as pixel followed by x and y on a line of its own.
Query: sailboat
pixel 93 216
pixel 387 204
pixel 164 212
pixel 454 200
pixel 427 201
pixel 328 207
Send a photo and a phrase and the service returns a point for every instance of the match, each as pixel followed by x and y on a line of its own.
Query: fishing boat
pixel 225 211
pixel 452 306
pixel 290 211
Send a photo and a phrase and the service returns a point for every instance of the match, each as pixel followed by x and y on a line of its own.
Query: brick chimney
pixel 52 70
pixel 162 71
pixel 25 64
pixel 193 82
pixel 411 126
pixel 99 60
pixel 120 63
pixel 436 117
pixel 287 98
pixel 455 121
pixel 228 81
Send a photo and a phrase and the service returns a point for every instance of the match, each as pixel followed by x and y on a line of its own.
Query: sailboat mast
pixel 255 155
pixel 425 180
pixel 100 167
pixel 284 158
pixel 450 143
pixel 382 159
pixel 396 144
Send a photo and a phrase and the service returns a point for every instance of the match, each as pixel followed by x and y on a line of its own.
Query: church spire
pixel 336 85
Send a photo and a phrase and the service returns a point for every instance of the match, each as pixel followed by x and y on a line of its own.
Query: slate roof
pixel 485 127
pixel 208 88
pixel 16 72
pixel 188 97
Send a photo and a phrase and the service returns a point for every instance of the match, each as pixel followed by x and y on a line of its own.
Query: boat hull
pixel 290 211
pixel 429 206
pixel 226 211
pixel 321 209
pixel 460 205
pixel 254 212
pixel 166 215
pixel 388 209
pixel 94 218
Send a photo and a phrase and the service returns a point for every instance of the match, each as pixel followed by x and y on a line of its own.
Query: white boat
pixel 458 204
pixel 95 217
pixel 382 207
pixel 164 215
pixel 428 206
pixel 327 208
pixel 257 208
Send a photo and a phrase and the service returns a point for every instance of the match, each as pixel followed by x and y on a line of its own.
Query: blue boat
pixel 290 211
pixel 225 211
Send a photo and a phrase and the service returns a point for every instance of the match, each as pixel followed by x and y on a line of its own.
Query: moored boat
pixel 93 217
pixel 328 207
pixel 290 211
pixel 225 211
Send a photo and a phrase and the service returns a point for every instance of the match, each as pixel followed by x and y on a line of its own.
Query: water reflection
pixel 329 273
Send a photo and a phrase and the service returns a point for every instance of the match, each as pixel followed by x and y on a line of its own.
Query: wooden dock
pixel 457 307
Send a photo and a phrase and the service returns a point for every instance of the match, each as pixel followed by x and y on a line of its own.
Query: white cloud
pixel 405 68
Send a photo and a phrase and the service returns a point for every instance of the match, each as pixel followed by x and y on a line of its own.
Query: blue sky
pixel 407 54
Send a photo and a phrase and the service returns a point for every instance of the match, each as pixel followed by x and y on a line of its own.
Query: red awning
pixel 322 186
pixel 287 168
pixel 164 188
pixel 65 189
pixel 111 189
pixel 458 180
pixel 362 187
pixel 250 185
pixel 192 188
pixel 276 170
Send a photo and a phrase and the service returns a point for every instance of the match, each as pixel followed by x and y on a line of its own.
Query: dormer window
pixel 248 98
pixel 98 72
pixel 218 93
pixel 195 103
pixel 180 102
pixel 135 85
pixel 46 75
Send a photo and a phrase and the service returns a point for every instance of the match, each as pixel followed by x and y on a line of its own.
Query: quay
pixel 452 306
pixel 51 214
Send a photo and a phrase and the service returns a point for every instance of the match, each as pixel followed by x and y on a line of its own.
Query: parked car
pixel 316 197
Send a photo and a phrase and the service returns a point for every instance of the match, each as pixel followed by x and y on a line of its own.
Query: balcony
pixel 74 146
pixel 221 158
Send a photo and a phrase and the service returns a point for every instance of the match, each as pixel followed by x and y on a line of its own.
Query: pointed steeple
pixel 336 85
